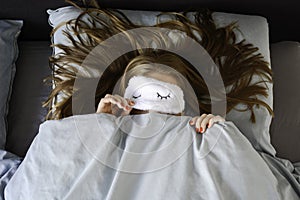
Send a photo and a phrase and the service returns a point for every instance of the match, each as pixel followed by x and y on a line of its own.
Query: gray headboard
pixel 283 16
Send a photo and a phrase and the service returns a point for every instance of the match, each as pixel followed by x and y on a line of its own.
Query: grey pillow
pixel 29 92
pixel 254 29
pixel 285 127
pixel 9 31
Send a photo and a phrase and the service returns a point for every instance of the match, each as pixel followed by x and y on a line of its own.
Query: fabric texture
pixel 29 92
pixel 99 156
pixel 286 67
pixel 9 32
pixel 9 163
pixel 254 29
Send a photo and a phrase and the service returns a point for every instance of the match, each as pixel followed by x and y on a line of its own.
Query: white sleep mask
pixel 152 94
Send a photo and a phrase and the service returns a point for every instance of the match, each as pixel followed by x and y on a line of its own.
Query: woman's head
pixel 162 66
pixel 155 66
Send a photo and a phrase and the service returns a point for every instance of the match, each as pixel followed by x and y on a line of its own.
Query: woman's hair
pixel 238 62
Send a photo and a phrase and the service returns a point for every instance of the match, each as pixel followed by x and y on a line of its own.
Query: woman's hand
pixel 115 104
pixel 204 120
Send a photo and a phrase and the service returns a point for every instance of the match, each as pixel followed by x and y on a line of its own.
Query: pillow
pixel 9 32
pixel 29 92
pixel 252 28
pixel 286 122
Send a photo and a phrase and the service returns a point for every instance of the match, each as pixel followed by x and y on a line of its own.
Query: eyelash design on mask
pixel 163 97
pixel 136 97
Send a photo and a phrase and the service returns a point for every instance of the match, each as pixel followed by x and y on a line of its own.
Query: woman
pixel 158 89
pixel 237 61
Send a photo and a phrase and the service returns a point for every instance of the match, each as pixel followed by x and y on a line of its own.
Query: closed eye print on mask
pixel 163 97
pixel 135 97
pixel 158 96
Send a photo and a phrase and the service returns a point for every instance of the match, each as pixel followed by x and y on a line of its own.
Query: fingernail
pixel 127 107
pixel 131 103
pixel 191 122
pixel 201 129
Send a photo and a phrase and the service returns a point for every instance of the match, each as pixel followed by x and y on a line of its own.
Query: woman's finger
pixel 130 102
pixel 122 102
pixel 129 107
pixel 193 120
pixel 199 121
pixel 106 104
pixel 126 111
pixel 113 100
pixel 204 122
pixel 127 103
pixel 214 120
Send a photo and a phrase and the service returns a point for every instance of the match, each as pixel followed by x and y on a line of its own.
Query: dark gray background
pixel 283 16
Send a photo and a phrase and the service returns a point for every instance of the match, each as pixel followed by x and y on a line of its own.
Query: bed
pixel 22 112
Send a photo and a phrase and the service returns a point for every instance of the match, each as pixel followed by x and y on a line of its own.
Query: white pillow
pixel 252 28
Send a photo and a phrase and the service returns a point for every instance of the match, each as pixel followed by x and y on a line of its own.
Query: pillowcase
pixel 9 32
pixel 29 92
pixel 286 122
pixel 252 28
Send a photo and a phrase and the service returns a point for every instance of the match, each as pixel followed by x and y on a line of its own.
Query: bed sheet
pixel 99 156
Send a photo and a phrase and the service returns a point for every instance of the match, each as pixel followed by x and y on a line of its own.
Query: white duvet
pixel 150 156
